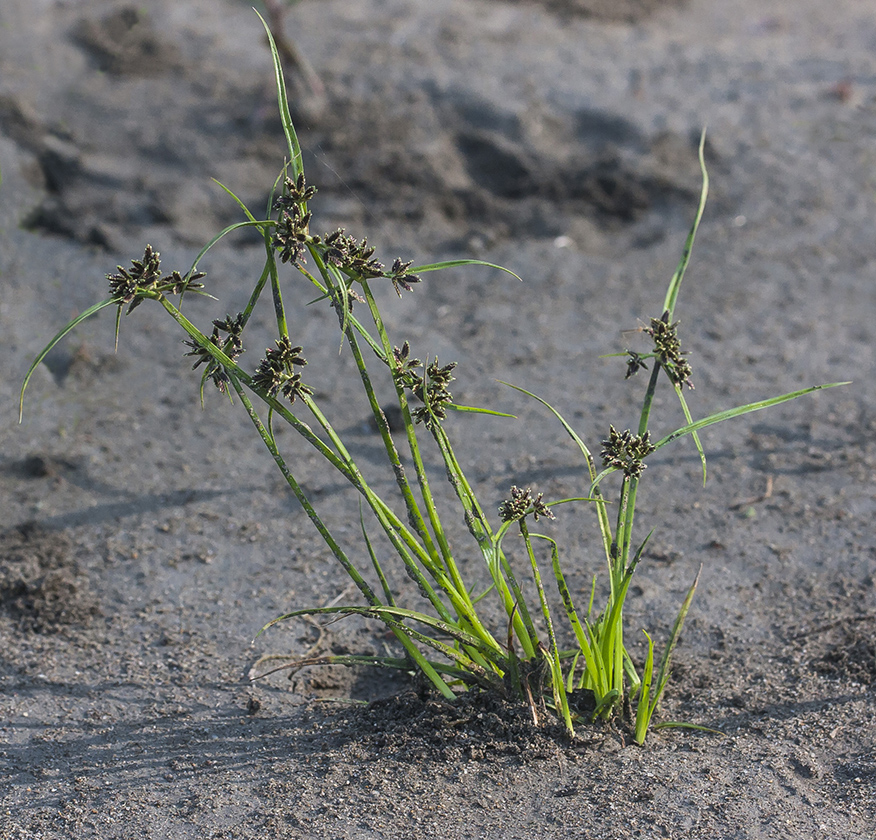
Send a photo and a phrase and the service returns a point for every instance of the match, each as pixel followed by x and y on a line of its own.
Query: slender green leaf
pixel 647 706
pixel 645 709
pixel 353 660
pixel 295 159
pixel 680 724
pixel 92 310
pixel 239 202
pixel 737 412
pixel 387 590
pixel 422 269
pixel 594 666
pixel 474 410
pixel 224 232
pixel 663 673
pixel 675 283
pixel 602 514
pixel 720 417
pixel 605 706
pixel 696 438
pixel 394 616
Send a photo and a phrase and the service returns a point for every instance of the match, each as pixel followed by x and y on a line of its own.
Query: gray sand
pixel 144 541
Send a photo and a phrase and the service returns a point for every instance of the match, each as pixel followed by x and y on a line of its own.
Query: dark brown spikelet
pixel 276 374
pixel 401 278
pixel 522 504
pixel 143 275
pixel 231 345
pixel 626 451
pixel 667 348
pixel 132 285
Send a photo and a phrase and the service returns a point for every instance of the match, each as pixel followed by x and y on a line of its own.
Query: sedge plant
pixel 574 662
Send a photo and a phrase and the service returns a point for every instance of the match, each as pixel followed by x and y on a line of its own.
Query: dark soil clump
pixel 851 651
pixel 476 726
pixel 41 586
pixel 621 11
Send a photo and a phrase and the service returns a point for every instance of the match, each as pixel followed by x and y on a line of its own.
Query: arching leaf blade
pixel 92 310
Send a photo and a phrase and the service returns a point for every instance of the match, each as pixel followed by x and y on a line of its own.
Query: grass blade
pixel 474 410
pixel 394 617
pixel 225 232
pixel 422 269
pixel 602 514
pixel 696 438
pixel 675 283
pixel 737 412
pixel 92 310
pixel 352 660
pixel 387 590
pixel 663 673
pixel 295 160
pixel 644 708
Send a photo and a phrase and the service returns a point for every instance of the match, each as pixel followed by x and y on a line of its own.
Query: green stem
pixel 515 605
pixel 557 686
pixel 416 656
pixel 324 532
pixel 279 310
pixel 398 534
pixel 413 445
pixel 414 514
pixel 648 401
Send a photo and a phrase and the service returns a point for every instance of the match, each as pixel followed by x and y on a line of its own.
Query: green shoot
pixel 451 636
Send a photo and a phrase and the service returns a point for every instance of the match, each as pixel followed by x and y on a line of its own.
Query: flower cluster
pixel 404 363
pixel 129 285
pixel 354 257
pixel 231 345
pixel 401 278
pixel 430 387
pixel 297 192
pixel 521 504
pixel 276 372
pixel 351 255
pixel 292 232
pixel 635 363
pixel 668 350
pixel 626 451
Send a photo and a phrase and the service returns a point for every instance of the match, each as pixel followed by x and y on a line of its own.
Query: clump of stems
pixel 583 672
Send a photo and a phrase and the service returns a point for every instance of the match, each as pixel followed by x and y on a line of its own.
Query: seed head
pixel 128 285
pixel 297 192
pixel 522 504
pixel 231 345
pixel 626 451
pixel 292 234
pixel 635 363
pixel 401 278
pixel 667 348
pixel 350 255
pixel 276 373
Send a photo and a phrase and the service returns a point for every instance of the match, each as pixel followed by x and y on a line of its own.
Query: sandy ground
pixel 145 541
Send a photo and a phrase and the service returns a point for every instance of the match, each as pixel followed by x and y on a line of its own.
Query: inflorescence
pixel 521 504
pixel 231 345
pixel 144 278
pixel 667 349
pixel 355 258
pixel 626 451
pixel 292 233
pixel 430 388
pixel 276 372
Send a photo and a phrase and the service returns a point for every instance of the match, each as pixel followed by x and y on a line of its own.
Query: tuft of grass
pixel 445 637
